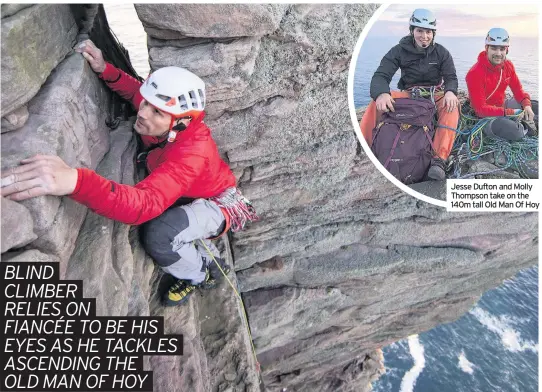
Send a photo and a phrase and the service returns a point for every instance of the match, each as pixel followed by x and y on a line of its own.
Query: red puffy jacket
pixel 483 80
pixel 188 167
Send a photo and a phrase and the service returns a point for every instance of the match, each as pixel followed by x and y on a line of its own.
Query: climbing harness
pixel 244 311
pixel 430 92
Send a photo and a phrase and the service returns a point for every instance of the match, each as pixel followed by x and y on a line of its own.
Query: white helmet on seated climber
pixel 423 18
pixel 497 37
pixel 423 28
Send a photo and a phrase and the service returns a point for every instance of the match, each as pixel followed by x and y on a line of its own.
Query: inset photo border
pixel 465 109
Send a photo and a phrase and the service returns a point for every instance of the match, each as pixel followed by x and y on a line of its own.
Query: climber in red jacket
pixel 489 78
pixel 183 162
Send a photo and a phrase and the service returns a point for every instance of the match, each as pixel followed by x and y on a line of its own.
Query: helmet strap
pixel 171 136
pixel 507 49
pixel 179 127
pixel 174 128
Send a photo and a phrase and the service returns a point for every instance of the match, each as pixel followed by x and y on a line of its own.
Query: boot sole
pixel 169 303
pixel 436 176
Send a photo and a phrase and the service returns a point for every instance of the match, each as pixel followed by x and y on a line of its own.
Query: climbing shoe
pixel 213 267
pixel 436 170
pixel 213 275
pixel 179 293
pixel 209 282
pixel 530 127
pixel 226 268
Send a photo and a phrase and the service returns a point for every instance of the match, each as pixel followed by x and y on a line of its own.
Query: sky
pixel 463 20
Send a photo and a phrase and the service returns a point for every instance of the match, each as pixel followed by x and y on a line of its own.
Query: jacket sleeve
pixel 380 83
pixel 448 72
pixel 517 89
pixel 122 83
pixel 475 84
pixel 137 204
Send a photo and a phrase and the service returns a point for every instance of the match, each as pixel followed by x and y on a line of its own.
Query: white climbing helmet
pixel 423 18
pixel 175 91
pixel 497 37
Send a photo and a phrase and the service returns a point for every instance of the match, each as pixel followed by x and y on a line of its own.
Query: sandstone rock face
pixel 32 46
pixel 369 295
pixel 17 225
pixel 217 350
pixel 15 119
pixel 341 262
pixel 103 256
pixel 67 118
pixel 12 9
pixel 210 20
pixel 28 255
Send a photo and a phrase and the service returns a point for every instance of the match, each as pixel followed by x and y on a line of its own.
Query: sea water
pixel 464 50
pixel 123 21
pixel 492 348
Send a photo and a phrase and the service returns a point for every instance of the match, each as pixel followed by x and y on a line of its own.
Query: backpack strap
pixel 377 129
pixel 395 141
pixel 425 130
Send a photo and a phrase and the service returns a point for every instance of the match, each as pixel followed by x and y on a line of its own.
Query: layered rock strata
pixel 70 116
pixel 341 262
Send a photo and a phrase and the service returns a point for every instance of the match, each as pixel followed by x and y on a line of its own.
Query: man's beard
pixel 498 59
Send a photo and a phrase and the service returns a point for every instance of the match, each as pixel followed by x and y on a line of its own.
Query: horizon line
pixel 447 36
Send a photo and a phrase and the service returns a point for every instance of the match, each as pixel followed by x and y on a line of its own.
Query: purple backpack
pixel 403 140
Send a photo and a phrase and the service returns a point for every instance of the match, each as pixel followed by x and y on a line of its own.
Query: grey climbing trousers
pixel 506 128
pixel 172 239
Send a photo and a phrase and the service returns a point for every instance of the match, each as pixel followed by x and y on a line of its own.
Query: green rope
pixel 472 144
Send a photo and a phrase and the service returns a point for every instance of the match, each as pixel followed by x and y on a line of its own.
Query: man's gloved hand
pixel 92 54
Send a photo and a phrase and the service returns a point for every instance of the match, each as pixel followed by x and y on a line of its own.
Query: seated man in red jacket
pixel 488 80
pixel 183 162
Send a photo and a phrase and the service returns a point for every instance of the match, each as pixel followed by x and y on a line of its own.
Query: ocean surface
pixel 494 347
pixel 124 22
pixel 464 50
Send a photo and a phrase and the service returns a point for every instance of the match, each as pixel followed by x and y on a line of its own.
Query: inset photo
pixel 447 91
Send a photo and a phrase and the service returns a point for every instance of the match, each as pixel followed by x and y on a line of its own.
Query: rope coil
pixel 238 208
pixel 471 144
